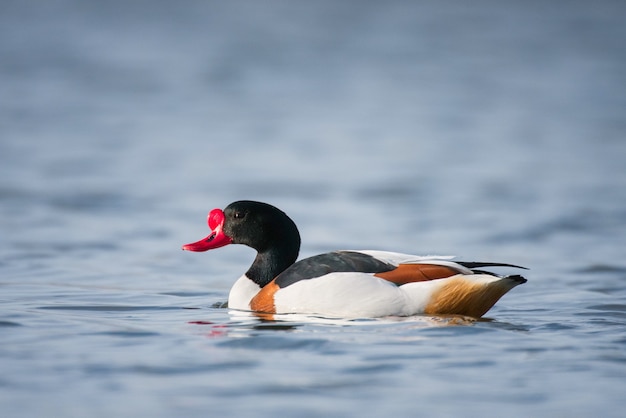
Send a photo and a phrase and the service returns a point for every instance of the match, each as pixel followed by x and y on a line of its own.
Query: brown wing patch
pixel 409 273
pixel 463 297
pixel 264 300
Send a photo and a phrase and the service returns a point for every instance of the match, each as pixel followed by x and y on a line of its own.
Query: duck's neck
pixel 270 263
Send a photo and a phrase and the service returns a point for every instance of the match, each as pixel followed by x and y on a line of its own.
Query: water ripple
pixel 274 342
pixel 609 307
pixel 106 308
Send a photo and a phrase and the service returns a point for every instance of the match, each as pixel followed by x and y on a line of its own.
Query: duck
pixel 345 283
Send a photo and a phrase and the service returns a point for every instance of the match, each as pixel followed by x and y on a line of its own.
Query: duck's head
pixel 255 224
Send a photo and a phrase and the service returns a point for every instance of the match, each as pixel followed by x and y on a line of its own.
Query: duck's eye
pixel 239 215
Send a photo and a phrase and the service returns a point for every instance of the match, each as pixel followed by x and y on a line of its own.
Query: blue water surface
pixel 488 130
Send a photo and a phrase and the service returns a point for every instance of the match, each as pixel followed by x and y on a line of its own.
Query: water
pixel 489 131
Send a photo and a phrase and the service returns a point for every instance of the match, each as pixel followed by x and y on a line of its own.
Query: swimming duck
pixel 345 284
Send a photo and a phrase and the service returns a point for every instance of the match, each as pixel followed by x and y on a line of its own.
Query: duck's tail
pixel 470 295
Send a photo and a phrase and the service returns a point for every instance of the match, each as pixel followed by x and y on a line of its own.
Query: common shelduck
pixel 345 284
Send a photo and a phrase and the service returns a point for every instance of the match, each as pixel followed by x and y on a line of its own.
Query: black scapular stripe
pixel 337 261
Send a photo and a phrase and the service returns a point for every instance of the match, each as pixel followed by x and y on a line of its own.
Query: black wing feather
pixel 338 261
pixel 476 264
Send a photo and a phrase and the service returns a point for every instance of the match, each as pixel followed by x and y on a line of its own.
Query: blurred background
pixel 485 129
pixel 421 119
